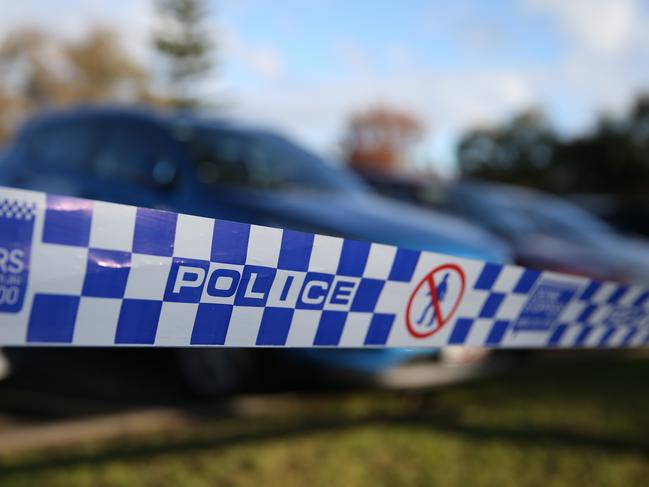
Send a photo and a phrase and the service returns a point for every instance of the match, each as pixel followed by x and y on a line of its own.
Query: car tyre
pixel 215 372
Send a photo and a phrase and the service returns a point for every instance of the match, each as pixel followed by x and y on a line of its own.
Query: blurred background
pixel 510 131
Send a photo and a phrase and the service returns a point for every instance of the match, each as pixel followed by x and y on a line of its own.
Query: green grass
pixel 562 425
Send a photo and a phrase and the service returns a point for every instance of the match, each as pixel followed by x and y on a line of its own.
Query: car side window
pixel 65 145
pixel 269 168
pixel 218 156
pixel 132 152
pixel 257 160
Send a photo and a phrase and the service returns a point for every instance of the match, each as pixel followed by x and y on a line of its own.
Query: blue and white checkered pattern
pixel 107 274
pixel 123 257
pixel 583 314
pixel 17 209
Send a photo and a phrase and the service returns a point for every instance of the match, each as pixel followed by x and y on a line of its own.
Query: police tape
pixel 90 273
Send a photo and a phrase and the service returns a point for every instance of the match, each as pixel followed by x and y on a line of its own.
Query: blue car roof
pixel 165 117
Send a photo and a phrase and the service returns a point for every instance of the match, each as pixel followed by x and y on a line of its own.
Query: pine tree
pixel 186 47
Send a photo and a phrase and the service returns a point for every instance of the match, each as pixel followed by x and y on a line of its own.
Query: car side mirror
pixel 165 174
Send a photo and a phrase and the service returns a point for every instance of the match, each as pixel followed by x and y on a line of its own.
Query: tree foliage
pixel 379 139
pixel 612 158
pixel 102 70
pixel 186 47
pixel 38 70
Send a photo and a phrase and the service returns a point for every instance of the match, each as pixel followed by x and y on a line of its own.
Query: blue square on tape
pixel 367 295
pixel 106 273
pixel 404 264
pixel 586 313
pixel 496 333
pixel 230 242
pixel 138 321
pixel 155 232
pixel 629 336
pixel 491 305
pixel 545 304
pixel 617 294
pixel 590 291
pixel 211 324
pixel 526 281
pixel 379 330
pixel 583 335
pixel 641 299
pixel 67 221
pixel 557 335
pixel 275 325
pixel 52 318
pixel 488 276
pixel 330 328
pixel 460 331
pixel 603 341
pixel 295 252
pixel 353 258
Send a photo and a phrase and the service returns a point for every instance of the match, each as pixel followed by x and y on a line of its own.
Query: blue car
pixel 219 169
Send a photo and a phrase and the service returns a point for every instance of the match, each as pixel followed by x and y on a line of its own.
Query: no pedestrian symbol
pixel 435 300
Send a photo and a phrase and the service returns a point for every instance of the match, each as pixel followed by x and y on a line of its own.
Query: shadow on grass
pixel 619 386
pixel 275 431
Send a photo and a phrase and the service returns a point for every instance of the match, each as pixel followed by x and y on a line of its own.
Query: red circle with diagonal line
pixel 429 281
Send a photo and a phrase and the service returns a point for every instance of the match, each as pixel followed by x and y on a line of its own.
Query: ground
pixel 563 423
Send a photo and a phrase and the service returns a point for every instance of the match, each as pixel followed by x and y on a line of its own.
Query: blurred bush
pixel 379 139
pixel 613 158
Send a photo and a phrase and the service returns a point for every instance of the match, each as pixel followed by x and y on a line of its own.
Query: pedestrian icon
pixel 441 294
pixel 435 300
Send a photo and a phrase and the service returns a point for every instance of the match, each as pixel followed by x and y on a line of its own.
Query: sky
pixel 303 67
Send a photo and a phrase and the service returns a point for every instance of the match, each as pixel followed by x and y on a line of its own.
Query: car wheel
pixel 215 372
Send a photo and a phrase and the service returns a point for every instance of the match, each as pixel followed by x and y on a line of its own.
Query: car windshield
pixel 501 215
pixel 260 160
pixel 561 218
pixel 528 214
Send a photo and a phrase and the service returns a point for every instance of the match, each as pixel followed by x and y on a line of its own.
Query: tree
pixel 28 59
pixel 102 71
pixel 613 158
pixel 6 111
pixel 38 70
pixel 185 46
pixel 380 139
pixel 519 151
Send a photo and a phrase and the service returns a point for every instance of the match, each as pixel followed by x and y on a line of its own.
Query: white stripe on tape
pixel 80 272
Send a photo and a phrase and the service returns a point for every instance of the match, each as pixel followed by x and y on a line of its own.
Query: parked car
pixel 544 231
pixel 224 170
pixel 628 215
